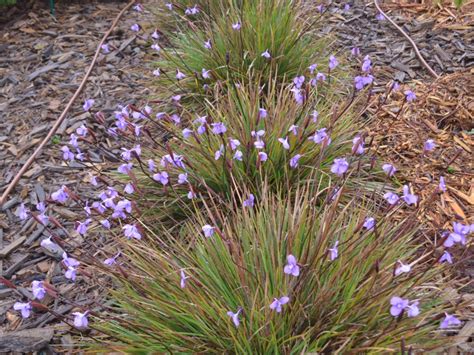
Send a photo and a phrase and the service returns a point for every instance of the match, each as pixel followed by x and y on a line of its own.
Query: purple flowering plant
pixel 254 201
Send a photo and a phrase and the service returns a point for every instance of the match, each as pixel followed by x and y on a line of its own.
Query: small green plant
pixel 56 139
pixel 177 297
pixel 7 2
pixel 458 3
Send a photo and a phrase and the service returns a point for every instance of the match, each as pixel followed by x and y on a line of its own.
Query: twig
pixel 66 109
pixel 413 44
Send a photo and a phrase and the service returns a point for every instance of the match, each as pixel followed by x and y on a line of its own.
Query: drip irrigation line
pixel 413 44
pixel 61 118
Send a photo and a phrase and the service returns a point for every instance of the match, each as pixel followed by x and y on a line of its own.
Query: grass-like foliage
pixel 234 54
pixel 215 163
pixel 334 305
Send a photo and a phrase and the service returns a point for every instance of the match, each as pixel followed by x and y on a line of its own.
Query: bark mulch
pixel 42 61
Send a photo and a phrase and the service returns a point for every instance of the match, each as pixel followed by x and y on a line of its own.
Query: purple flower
pixel 380 17
pixel 80 320
pixel 40 206
pixel 25 308
pixel 129 189
pixel 151 165
pixel 125 168
pixel 395 86
pixel 334 251
pixel 73 140
pixel 298 95
pixel 442 184
pixel 81 227
pixel 60 195
pixel 409 198
pixel 157 72
pixel 285 143
pixel 389 169
pixel 259 144
pixel 278 302
pixel 294 161
pixel 320 77
pixel 320 8
pixel 258 134
pixel 238 155
pixel 250 201
pixel 367 64
pixel 266 54
pixel 262 156
pixel 314 116
pixel 359 82
pixel 169 6
pixel 191 195
pixel 410 96
pixel 49 245
pixel 236 26
pixel 201 129
pixel 355 51
pixel 218 128
pixel 358 145
pixel 67 154
pixel 312 68
pixel 262 113
pixel 70 262
pixel 235 317
pixel 339 166
pixel 369 223
pixel 192 10
pixel 88 104
pixel 135 27
pixel 138 7
pixel 234 143
pixel 208 230
pixel 183 278
pixel 391 198
pixel 187 133
pixel 105 223
pixel 218 153
pixel 37 287
pixel 429 145
pixel 291 268
pixel 161 177
pixel 446 257
pixel 179 75
pixel 182 178
pixel 398 305
pixel 402 268
pixel 111 261
pixel 458 235
pixel 333 62
pixel 155 35
pixel 293 129
pixel 105 49
pixel 299 81
pixel 207 44
pixel 131 231
pixel 449 321
pixel 347 7
pixel 22 212
pixel 320 136
pixel 205 74
pixel 413 310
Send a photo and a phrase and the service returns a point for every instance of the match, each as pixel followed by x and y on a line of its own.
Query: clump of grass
pixel 211 161
pixel 340 305
pixel 235 55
